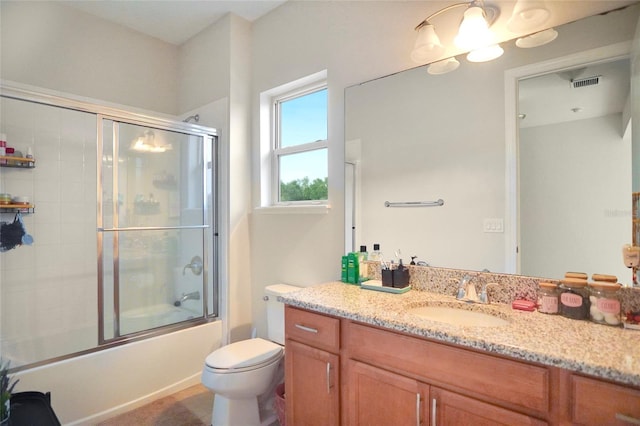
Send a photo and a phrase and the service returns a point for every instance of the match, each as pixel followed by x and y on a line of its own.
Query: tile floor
pixel 190 407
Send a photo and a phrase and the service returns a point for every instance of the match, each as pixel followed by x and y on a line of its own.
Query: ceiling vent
pixel 586 81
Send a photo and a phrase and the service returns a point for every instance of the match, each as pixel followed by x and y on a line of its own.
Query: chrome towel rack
pixel 437 203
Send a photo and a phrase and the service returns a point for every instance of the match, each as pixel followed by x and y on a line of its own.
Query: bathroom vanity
pixel 360 357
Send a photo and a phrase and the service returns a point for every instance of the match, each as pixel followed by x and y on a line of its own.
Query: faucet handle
pixel 484 296
pixel 195 265
pixel 462 287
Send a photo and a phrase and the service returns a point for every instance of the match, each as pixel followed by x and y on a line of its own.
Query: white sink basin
pixel 457 316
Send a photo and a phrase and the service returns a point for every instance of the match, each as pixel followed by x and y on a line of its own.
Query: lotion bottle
pixel 363 270
pixel 376 254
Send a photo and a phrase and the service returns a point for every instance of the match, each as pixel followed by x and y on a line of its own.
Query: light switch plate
pixel 494 225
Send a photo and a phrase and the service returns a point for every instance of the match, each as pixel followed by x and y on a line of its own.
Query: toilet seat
pixel 245 355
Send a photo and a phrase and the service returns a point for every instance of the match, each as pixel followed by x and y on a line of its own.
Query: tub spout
pixel 187 296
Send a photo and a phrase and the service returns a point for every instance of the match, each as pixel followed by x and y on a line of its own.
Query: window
pixel 299 161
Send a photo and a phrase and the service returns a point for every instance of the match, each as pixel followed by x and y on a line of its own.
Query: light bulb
pixel 474 30
pixel 485 54
pixel 427 46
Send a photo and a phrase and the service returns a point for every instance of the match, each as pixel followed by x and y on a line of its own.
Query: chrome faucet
pixel 195 265
pixel 187 296
pixel 467 291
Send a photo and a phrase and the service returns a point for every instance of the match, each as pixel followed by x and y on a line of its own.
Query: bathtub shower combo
pixel 123 211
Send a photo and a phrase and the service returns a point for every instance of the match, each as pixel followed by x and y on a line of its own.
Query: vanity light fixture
pixel 538 39
pixel 473 34
pixel 444 66
pixel 528 15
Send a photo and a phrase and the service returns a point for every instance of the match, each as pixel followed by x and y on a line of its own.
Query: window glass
pixel 303 119
pixel 303 176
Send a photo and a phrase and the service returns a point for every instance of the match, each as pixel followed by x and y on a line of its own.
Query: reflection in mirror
pixel 575 170
pixel 419 137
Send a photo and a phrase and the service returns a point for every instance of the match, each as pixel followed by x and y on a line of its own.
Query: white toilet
pixel 241 372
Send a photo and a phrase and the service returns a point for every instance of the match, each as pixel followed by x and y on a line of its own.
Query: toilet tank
pixel 275 310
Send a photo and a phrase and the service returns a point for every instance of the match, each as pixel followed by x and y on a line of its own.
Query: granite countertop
pixel 598 350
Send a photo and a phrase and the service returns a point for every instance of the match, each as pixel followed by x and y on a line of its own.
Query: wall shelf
pixel 15 208
pixel 17 162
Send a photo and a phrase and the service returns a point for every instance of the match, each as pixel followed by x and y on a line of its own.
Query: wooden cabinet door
pixel 312 375
pixel 595 402
pixel 449 408
pixel 379 397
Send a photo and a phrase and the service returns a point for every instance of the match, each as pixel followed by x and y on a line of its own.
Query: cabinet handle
pixel 305 328
pixel 434 406
pixel 328 377
pixel 628 419
pixel 418 409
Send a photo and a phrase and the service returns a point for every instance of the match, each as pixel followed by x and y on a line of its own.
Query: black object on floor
pixel 32 408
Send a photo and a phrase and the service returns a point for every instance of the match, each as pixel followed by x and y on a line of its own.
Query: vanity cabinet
pixel 594 402
pixel 312 368
pixel 458 386
pixel 393 378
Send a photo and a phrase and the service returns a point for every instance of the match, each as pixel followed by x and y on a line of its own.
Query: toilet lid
pixel 245 353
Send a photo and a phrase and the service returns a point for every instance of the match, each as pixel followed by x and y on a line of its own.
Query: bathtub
pixel 34 348
pixel 159 315
pixel 90 388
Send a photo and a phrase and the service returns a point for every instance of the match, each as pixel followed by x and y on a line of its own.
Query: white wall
pixel 296 40
pixel 49 45
pixel 566 226
pixel 355 42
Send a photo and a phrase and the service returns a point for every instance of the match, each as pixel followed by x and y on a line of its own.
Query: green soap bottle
pixel 353 272
pixel 343 273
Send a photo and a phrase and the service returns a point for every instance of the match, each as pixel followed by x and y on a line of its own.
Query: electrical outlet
pixel 493 225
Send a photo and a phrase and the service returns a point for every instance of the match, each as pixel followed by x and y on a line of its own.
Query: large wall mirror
pixel 539 195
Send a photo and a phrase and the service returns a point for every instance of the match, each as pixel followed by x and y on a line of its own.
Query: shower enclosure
pixel 123 213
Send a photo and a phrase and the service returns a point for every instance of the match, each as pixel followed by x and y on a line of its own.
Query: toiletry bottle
pixel 343 272
pixel 353 273
pixel 376 255
pixel 363 270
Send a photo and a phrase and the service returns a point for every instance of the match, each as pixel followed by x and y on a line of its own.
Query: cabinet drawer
pixel 600 403
pixel 313 329
pixel 496 379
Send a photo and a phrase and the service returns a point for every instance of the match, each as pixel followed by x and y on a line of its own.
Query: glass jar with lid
pixel 574 298
pixel 605 303
pixel 548 296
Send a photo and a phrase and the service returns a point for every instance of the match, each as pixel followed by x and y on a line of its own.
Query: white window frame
pixel 277 152
pixel 267 200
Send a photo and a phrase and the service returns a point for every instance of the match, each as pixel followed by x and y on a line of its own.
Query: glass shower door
pixel 154 227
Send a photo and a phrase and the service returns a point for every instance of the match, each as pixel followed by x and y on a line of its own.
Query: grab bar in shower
pixel 436 203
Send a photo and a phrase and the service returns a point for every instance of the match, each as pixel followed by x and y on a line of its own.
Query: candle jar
pixel 574 299
pixel 548 296
pixel 605 303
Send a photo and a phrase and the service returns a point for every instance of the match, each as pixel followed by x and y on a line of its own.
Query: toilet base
pixel 233 412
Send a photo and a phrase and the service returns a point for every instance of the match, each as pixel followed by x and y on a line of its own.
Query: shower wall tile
pixel 46 190
pixel 48 213
pixel 47 234
pixel 18 258
pixel 18 278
